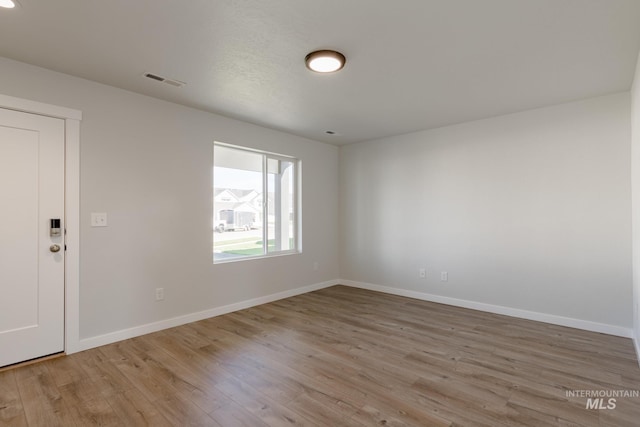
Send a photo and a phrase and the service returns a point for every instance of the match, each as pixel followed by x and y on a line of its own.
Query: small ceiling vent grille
pixel 172 82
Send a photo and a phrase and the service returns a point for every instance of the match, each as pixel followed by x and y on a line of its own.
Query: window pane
pixel 281 205
pixel 237 204
pixel 247 221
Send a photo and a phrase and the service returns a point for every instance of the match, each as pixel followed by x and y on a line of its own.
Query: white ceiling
pixel 411 64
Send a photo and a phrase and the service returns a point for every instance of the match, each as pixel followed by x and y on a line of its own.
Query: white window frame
pixel 297 216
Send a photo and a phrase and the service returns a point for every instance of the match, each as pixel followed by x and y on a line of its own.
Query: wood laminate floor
pixel 335 357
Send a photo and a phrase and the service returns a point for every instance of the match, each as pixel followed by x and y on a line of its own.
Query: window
pixel 255 203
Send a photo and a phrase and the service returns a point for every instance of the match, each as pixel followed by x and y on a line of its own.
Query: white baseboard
pixel 124 334
pixel 497 309
pixel 87 343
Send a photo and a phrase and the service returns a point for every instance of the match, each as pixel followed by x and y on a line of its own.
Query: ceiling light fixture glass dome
pixel 7 4
pixel 325 61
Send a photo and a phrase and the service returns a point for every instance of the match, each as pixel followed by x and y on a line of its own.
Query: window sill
pixel 250 258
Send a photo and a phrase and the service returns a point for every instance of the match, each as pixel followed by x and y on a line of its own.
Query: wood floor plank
pixel 64 370
pixel 106 377
pixel 135 410
pixel 41 399
pixel 188 384
pixel 270 412
pixel 341 357
pixel 93 413
pixel 11 410
pixel 233 414
pixel 181 412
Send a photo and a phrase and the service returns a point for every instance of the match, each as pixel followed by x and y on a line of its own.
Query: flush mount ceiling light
pixel 7 4
pixel 325 61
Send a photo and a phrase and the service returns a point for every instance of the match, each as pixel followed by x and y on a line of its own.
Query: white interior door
pixel 31 271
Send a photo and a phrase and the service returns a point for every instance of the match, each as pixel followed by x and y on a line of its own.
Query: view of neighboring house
pixel 245 204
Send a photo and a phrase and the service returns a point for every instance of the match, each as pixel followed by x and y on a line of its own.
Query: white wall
pixel 148 164
pixel 635 197
pixel 529 211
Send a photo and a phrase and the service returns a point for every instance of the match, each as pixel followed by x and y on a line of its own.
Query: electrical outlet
pixel 422 273
pixel 98 219
pixel 159 294
pixel 444 276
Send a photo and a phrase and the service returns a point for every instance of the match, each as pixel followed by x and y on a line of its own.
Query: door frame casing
pixel 72 120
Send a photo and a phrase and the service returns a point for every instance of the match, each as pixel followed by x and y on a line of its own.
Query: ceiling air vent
pixel 172 82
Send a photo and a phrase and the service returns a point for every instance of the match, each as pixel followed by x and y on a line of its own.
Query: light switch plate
pixel 98 219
